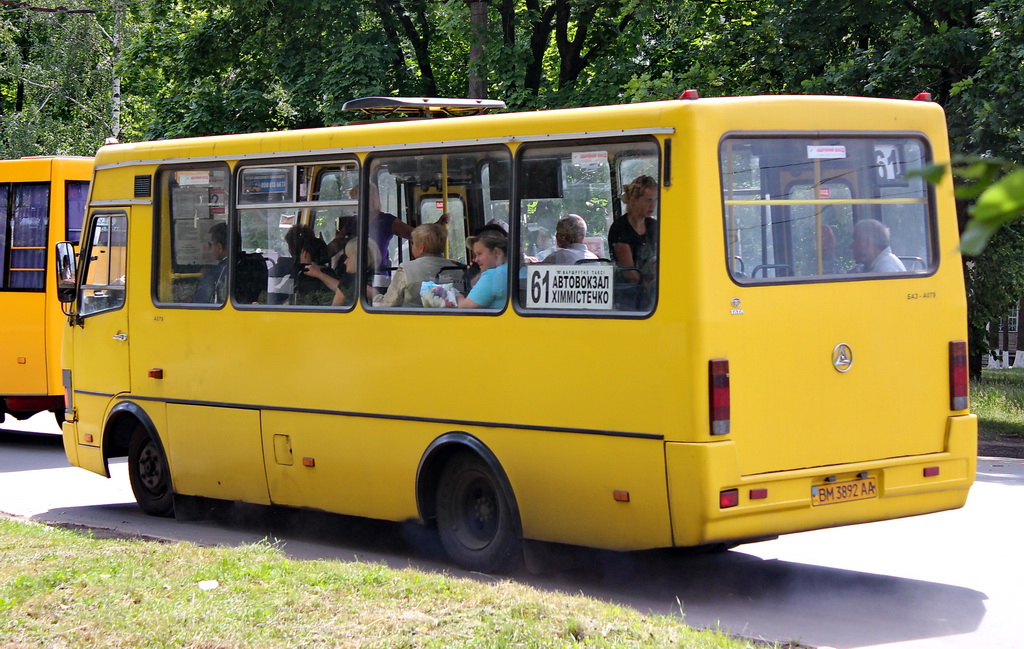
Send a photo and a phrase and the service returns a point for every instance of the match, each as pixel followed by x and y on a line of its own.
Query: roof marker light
pixel 923 96
pixel 690 94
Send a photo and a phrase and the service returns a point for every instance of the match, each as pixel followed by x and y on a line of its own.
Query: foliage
pixel 197 67
pixel 997 397
pixel 997 200
pixel 995 280
pixel 47 94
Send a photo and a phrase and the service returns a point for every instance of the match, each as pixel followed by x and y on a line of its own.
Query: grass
pixel 63 589
pixel 997 397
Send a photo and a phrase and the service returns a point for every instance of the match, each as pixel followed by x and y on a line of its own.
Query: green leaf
pixel 1000 203
pixel 931 173
pixel 976 236
pixel 1003 200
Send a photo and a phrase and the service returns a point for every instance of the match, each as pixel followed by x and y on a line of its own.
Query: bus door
pixel 23 226
pixel 100 339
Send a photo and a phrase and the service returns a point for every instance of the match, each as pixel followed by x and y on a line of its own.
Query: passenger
pixel 633 237
pixel 473 269
pixel 345 287
pixel 871 249
pixel 310 254
pixel 212 287
pixel 569 235
pixel 384 226
pixel 345 230
pixel 544 245
pixel 490 253
pixel 828 250
pixel 428 241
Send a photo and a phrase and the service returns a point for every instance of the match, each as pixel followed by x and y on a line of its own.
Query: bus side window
pixel 572 192
pixel 409 190
pixel 29 222
pixel 192 237
pixel 103 279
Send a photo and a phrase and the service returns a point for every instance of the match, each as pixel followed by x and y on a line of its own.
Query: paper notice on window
pixel 589 158
pixel 826 151
pixel 586 286
pixel 187 178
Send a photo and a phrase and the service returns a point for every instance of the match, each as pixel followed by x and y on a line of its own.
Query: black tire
pixel 474 519
pixel 150 478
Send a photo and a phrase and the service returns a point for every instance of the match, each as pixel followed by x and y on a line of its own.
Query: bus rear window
pixel 826 208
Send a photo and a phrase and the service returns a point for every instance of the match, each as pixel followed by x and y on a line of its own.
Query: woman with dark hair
pixel 309 252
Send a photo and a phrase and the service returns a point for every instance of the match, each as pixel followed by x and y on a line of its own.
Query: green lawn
pixel 998 400
pixel 65 589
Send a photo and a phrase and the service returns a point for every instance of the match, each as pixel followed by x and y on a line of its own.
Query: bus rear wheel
pixel 150 478
pixel 474 519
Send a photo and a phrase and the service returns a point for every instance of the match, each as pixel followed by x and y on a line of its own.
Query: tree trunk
pixel 115 90
pixel 478 24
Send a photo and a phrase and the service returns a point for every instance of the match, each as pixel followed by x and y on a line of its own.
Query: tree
pixel 967 54
pixel 55 86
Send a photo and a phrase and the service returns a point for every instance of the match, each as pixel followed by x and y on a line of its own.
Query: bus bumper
pixel 770 504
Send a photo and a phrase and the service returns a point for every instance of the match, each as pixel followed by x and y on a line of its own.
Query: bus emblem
pixel 842 357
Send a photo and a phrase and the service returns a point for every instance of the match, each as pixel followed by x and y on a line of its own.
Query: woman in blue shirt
pixel 490 252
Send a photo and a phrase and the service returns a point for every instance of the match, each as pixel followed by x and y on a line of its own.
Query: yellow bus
pixel 42 201
pixel 775 344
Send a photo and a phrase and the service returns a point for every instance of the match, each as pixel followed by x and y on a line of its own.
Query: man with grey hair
pixel 871 249
pixel 569 235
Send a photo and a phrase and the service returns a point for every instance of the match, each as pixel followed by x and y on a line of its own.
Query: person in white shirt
pixel 569 235
pixel 871 249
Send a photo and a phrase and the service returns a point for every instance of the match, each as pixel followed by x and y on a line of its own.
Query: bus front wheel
pixel 150 478
pixel 474 519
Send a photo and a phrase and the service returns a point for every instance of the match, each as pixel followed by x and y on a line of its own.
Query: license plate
pixel 844 492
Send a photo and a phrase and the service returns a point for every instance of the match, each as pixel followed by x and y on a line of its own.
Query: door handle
pixel 120 336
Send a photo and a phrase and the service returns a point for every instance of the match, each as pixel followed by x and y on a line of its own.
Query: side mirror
pixel 65 272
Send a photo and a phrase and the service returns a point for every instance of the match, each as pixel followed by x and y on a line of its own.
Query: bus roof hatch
pixel 422 106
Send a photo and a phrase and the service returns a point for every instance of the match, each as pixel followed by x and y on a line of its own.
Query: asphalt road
pixel 946 580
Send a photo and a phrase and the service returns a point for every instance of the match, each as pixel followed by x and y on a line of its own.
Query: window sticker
pixel 265 185
pixel 196 178
pixel 589 158
pixel 553 286
pixel 826 152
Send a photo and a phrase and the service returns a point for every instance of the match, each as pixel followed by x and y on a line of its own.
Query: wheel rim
pixel 151 469
pixel 478 512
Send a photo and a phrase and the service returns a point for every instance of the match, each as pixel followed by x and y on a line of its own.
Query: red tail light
pixel 958 375
pixel 728 498
pixel 718 387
